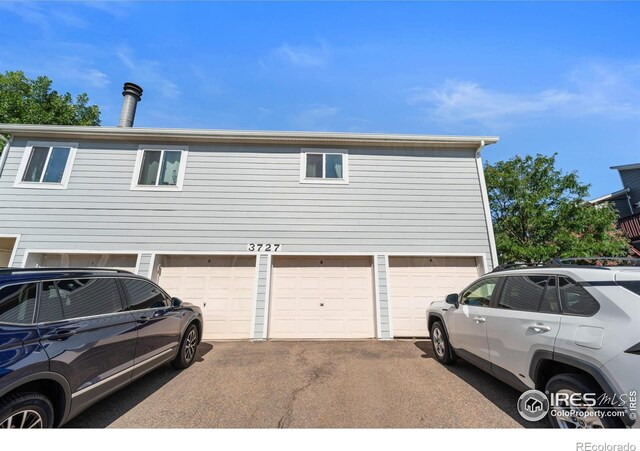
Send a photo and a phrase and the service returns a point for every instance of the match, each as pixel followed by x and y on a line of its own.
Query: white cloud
pixel 148 73
pixel 301 55
pixel 94 77
pixel 460 101
pixel 590 90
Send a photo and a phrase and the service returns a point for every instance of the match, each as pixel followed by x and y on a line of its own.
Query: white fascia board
pixel 245 136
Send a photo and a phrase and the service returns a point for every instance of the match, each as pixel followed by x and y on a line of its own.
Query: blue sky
pixel 545 77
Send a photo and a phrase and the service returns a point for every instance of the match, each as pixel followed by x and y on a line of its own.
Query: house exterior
pixel 626 202
pixel 284 235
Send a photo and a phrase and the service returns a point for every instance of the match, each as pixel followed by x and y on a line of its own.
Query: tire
pixel 26 410
pixel 577 383
pixel 441 347
pixel 188 347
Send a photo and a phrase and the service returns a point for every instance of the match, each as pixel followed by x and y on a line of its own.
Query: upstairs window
pixel 46 166
pixel 324 166
pixel 159 168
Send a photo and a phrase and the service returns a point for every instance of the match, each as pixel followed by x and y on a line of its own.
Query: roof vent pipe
pixel 132 94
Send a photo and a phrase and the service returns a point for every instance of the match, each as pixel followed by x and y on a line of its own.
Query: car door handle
pixel 539 328
pixel 60 334
pixel 146 319
pixel 479 319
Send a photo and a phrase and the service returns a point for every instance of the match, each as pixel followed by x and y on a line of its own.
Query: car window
pixel 522 293
pixel 575 300
pixel 89 297
pixel 17 303
pixel 50 304
pixel 479 294
pixel 143 294
pixel 550 302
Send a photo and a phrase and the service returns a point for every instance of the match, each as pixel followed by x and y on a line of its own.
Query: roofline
pixel 609 196
pixel 624 167
pixel 244 136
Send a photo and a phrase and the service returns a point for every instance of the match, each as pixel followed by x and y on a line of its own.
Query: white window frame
pixel 26 156
pixel 324 152
pixel 163 148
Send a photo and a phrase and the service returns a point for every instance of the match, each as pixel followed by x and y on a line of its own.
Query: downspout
pixel 5 151
pixel 487 210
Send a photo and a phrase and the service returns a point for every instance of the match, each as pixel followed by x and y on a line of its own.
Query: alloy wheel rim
pixel 190 345
pixel 588 421
pixel 438 342
pixel 23 419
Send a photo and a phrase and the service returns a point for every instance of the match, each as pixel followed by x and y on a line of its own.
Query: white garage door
pixel 222 286
pixel 417 281
pixel 321 297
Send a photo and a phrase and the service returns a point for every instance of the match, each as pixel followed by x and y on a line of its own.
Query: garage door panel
pixel 344 287
pixel 417 281
pixel 222 286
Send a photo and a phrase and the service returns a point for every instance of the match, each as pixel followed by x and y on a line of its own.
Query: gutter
pixel 164 135
pixel 487 209
pixel 5 151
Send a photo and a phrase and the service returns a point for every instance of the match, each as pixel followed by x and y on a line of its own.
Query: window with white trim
pixel 159 168
pixel 324 166
pixel 46 165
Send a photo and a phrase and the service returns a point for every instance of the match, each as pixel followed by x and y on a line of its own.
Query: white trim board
pixel 28 252
pixel 487 210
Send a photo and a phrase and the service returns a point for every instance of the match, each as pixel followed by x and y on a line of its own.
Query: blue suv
pixel 69 337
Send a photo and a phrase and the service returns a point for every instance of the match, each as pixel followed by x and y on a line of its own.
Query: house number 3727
pixel 264 247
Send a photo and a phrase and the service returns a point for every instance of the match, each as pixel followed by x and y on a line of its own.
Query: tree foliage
pixel 540 213
pixel 27 101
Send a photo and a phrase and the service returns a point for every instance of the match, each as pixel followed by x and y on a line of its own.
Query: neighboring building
pixel 627 202
pixel 274 234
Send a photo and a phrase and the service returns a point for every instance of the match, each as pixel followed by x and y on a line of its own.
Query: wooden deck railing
pixel 631 226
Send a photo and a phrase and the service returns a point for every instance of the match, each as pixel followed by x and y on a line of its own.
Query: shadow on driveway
pixel 111 408
pixel 500 394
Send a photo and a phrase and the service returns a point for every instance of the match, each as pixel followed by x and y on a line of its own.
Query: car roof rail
pixel 520 265
pixel 28 270
pixel 596 262
pixel 575 262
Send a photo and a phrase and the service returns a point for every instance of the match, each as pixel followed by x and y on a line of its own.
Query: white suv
pixel 558 328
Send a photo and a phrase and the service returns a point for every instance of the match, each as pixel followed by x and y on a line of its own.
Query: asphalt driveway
pixel 311 384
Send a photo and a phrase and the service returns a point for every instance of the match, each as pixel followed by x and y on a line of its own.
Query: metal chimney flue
pixel 132 94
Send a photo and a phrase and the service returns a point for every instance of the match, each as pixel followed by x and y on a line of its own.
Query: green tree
pixel 540 213
pixel 27 101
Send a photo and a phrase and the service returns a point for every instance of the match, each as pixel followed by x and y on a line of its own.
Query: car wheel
pixel 441 347
pixel 569 417
pixel 26 411
pixel 188 347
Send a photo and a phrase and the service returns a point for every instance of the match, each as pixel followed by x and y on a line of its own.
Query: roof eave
pixel 243 136
pixel 609 196
pixel 625 167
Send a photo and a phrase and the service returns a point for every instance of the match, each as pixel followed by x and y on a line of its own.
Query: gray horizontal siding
pixel 423 201
pixel 383 293
pixel 144 264
pixel 262 294
pixel 631 180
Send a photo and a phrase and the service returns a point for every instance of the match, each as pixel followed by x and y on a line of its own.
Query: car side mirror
pixel 453 299
pixel 176 303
